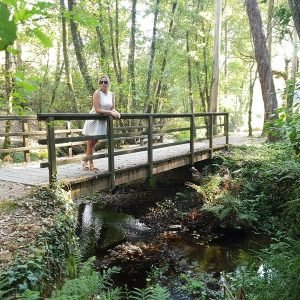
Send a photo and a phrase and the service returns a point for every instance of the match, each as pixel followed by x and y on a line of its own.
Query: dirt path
pixel 12 190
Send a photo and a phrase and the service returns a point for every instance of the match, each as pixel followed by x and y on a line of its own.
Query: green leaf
pixel 8 28
pixel 45 40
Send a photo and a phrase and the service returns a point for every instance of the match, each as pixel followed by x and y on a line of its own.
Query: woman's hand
pixel 115 114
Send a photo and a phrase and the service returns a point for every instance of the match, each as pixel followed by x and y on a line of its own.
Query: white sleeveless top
pixel 99 127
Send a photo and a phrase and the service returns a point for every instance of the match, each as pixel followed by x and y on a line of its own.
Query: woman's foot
pixel 85 166
pixel 93 168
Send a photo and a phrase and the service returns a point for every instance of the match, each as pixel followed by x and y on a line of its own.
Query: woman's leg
pixel 92 147
pixel 89 151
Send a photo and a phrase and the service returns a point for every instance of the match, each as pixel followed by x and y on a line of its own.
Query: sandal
pixel 93 168
pixel 85 166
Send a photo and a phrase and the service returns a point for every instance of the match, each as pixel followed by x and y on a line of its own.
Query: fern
pixel 140 294
pixel 88 284
pixel 160 293
pixel 4 289
pixel 150 293
pixel 111 294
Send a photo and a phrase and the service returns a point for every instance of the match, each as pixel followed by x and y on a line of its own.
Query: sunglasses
pixel 103 82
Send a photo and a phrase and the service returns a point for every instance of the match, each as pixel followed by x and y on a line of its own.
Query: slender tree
pixel 102 45
pixel 8 95
pixel 295 8
pixel 58 73
pixel 189 77
pixel 66 58
pixel 78 47
pixel 270 27
pixel 158 86
pixel 262 59
pixel 148 104
pixel 217 47
pixel 131 58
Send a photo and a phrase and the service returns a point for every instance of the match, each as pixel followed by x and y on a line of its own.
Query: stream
pixel 100 230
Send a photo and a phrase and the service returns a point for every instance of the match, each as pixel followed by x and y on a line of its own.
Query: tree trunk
pixel 270 27
pixel 295 63
pixel 262 59
pixel 251 93
pixel 190 84
pixel 112 42
pixel 131 61
pixel 295 8
pixel 158 89
pixel 58 72
pixel 104 66
pixel 78 47
pixel 217 45
pixel 201 87
pixel 9 97
pixel 205 67
pixel 148 104
pixel 115 54
pixel 117 40
pixel 66 58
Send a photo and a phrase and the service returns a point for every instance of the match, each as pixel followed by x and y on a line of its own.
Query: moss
pixel 7 206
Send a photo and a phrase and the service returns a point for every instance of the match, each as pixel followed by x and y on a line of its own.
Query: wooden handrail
pixel 111 137
pixel 147 130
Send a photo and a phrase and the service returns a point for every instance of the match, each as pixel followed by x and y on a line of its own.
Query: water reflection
pixel 222 256
pixel 100 229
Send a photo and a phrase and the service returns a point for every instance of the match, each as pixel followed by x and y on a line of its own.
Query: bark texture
pixel 159 87
pixel 131 57
pixel 66 58
pixel 262 58
pixel 148 103
pixel 295 8
pixel 78 47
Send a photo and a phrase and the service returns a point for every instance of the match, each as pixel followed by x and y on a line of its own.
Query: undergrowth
pixel 53 256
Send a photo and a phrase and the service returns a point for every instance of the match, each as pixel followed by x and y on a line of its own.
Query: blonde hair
pixel 102 77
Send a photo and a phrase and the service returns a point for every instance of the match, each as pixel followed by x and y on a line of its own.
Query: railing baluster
pixel 210 134
pixel 226 122
pixel 51 151
pixel 110 145
pixel 69 134
pixel 150 145
pixel 25 128
pixel 192 135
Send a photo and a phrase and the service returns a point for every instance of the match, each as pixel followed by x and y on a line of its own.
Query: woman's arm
pixel 117 114
pixel 99 110
pixel 97 106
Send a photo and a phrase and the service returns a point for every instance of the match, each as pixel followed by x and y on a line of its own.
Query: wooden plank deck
pixel 129 167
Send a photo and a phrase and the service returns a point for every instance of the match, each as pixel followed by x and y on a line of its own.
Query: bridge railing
pixel 24 131
pixel 147 127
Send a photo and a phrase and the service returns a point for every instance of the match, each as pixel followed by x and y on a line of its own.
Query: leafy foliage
pixel 54 253
pixel 8 28
pixel 88 284
pixel 288 126
pixel 150 293
pixel 278 276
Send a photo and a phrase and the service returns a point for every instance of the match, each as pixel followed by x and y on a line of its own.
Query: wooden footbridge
pixel 137 147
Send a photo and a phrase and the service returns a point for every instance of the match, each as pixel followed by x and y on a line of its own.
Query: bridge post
pixel 192 135
pixel 226 121
pixel 25 127
pixel 150 145
pixel 110 146
pixel 51 151
pixel 69 134
pixel 210 134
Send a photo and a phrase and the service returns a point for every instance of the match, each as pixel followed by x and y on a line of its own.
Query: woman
pixel 104 104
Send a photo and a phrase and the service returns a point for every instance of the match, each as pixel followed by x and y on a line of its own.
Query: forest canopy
pixel 161 56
